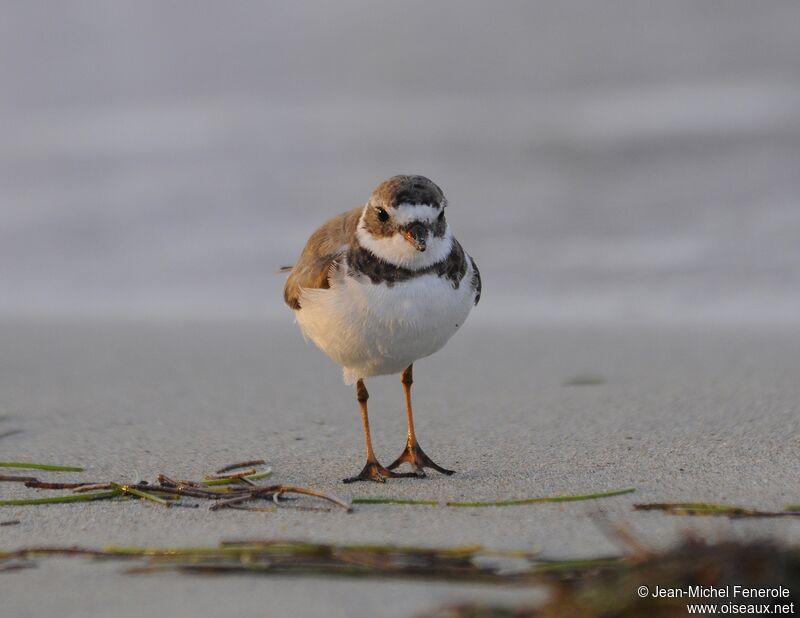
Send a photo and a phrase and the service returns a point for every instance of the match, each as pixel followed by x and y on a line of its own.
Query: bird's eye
pixel 383 215
pixel 441 216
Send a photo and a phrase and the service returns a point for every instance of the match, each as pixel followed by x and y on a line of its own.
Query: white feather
pixel 408 213
pixel 373 329
pixel 399 252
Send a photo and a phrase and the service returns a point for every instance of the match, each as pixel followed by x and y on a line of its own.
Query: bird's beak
pixel 417 236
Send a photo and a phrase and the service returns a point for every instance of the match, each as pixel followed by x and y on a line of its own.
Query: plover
pixel 381 286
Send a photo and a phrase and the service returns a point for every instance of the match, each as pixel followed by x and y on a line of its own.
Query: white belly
pixel 373 329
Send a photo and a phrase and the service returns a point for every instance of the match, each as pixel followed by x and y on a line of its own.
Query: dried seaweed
pixel 282 557
pixel 228 480
pixel 623 589
pixel 713 510
pixel 242 464
pixel 231 489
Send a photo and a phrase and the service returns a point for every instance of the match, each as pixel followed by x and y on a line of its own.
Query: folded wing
pixel 325 246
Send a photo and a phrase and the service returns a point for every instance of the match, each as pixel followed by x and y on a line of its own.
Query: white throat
pixel 397 251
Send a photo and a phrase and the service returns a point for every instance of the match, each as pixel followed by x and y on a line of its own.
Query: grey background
pixel 604 161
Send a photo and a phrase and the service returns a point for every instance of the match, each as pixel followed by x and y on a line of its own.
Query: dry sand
pixel 685 414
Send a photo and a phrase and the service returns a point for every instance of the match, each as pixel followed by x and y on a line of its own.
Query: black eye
pixel 383 215
pixel 441 216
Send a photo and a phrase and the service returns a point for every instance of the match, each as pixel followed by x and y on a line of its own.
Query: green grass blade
pixel 127 489
pixel 576 565
pixel 394 501
pixel 37 466
pixel 100 495
pixel 574 498
pixel 693 507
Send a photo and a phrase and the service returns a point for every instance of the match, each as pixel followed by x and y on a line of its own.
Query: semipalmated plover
pixel 380 286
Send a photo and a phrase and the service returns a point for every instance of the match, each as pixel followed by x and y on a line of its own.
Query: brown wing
pixel 325 246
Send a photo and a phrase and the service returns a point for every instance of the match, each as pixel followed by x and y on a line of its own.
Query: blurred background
pixel 603 161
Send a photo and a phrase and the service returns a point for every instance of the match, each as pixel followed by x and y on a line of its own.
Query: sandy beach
pixel 681 414
pixel 625 177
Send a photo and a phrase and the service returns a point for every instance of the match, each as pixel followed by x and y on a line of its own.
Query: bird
pixel 379 287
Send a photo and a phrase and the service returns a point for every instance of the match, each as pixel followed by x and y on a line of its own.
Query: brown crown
pixel 408 190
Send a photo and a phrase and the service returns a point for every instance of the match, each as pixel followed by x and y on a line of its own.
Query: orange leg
pixel 373 470
pixel 413 453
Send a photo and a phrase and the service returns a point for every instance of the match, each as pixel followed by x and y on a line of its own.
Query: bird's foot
pixel 374 471
pixel 414 455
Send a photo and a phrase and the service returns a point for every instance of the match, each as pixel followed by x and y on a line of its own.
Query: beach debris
pixel 628 588
pixel 227 488
pixel 715 510
pixel 396 501
pixel 470 563
pixel 234 486
pixel 565 498
pixel 10 522
pixel 24 465
pixel 241 464
pixel 13 478
pixel 512 502
pixel 102 495
pixel 597 587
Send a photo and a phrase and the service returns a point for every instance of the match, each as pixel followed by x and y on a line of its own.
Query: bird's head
pixel 404 223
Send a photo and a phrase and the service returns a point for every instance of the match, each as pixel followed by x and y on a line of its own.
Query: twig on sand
pixel 229 480
pixel 10 522
pixel 274 492
pixel 92 487
pixel 230 475
pixel 37 484
pixel 12 478
pixel 242 464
